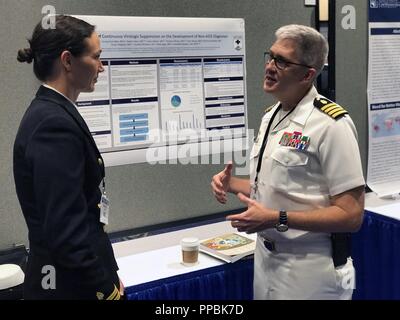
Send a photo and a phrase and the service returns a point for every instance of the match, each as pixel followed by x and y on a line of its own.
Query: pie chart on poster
pixel 176 101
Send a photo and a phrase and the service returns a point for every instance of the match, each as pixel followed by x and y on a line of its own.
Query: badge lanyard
pixel 265 140
pixel 103 183
pixel 103 173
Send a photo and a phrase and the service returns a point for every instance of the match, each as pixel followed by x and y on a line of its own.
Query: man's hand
pixel 220 183
pixel 255 218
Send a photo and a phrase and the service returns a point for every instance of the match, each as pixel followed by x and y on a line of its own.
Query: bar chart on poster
pixel 167 82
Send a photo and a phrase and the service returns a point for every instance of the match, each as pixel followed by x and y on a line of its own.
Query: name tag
pixel 104 209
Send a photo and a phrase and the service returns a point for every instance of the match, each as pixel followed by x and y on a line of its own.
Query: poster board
pixel 384 97
pixel 172 89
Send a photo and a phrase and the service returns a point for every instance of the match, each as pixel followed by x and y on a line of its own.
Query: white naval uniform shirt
pixel 300 180
pixel 297 180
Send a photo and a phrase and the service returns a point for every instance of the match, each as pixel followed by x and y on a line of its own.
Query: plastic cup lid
pixel 190 242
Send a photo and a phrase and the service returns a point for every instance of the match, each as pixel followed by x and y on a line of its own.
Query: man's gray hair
pixel 312 45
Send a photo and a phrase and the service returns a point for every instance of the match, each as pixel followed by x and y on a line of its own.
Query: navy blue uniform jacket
pixel 57 172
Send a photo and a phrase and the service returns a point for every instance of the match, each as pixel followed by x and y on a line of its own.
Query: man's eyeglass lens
pixel 280 63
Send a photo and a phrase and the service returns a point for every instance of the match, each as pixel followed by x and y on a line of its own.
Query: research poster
pixel 384 97
pixel 171 88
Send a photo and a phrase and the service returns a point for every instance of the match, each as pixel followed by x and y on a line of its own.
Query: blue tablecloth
pixel 225 282
pixel 376 254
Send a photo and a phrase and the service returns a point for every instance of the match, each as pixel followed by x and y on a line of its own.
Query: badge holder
pixel 104 206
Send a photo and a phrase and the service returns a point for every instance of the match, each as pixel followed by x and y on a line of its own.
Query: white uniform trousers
pixel 300 270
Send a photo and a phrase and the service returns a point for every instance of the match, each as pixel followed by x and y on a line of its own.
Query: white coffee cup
pixel 190 251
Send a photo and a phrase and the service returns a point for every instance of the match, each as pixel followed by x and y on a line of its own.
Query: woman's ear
pixel 66 58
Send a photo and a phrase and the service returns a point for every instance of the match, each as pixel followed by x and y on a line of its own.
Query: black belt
pixel 341 247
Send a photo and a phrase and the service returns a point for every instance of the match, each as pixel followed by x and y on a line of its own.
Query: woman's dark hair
pixel 46 45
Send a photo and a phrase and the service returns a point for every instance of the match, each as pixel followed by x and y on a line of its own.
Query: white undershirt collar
pixel 51 88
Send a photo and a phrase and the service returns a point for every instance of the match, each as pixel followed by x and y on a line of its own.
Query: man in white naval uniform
pixel 306 183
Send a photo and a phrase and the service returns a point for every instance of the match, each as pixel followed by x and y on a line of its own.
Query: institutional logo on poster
pixel 373 4
pixel 384 4
pixel 238 43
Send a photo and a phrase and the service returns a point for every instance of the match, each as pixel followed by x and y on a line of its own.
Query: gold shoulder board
pixel 330 108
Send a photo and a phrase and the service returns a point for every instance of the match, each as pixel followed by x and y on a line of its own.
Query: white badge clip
pixel 104 209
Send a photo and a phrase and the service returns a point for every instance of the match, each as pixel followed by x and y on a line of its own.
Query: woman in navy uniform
pixel 58 170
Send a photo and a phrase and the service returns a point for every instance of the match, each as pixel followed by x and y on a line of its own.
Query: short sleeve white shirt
pixel 296 179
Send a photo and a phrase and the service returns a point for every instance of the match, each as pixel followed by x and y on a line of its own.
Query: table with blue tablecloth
pixel 151 269
pixel 154 272
pixel 224 282
pixel 376 254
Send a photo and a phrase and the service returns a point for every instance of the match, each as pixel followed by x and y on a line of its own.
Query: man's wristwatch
pixel 282 225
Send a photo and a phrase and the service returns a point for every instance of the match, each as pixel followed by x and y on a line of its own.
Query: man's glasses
pixel 280 63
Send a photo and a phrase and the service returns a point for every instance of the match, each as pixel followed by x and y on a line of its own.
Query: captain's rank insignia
pixel 330 108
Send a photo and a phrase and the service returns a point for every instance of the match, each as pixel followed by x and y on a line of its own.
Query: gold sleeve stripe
pixel 332 108
pixel 118 297
pixel 114 295
pixel 328 106
pixel 331 112
pixel 335 115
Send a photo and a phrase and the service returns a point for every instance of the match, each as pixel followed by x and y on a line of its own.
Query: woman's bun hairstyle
pixel 25 55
